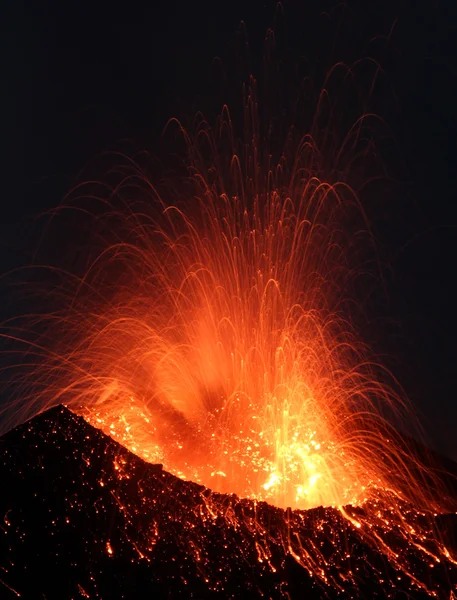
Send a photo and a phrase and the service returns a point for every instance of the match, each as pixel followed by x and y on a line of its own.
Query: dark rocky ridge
pixel 82 517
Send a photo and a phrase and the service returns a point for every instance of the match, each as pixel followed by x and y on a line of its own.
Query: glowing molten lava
pixel 224 351
pixel 224 358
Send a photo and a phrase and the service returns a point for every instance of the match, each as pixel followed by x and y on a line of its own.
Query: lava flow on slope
pixel 82 517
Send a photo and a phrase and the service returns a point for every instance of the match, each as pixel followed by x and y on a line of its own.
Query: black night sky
pixel 77 77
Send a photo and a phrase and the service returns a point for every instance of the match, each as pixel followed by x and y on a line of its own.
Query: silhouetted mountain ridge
pixel 82 517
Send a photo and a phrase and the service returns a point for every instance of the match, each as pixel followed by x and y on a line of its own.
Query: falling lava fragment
pixel 82 517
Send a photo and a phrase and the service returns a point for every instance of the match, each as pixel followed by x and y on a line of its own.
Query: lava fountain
pixel 212 332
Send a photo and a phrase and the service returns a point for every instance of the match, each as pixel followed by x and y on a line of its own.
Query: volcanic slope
pixel 82 517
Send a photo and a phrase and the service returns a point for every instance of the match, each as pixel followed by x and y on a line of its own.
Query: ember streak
pixel 212 333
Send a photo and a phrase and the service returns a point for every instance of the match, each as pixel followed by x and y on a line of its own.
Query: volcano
pixel 82 517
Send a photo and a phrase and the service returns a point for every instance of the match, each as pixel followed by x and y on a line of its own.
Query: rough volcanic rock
pixel 82 517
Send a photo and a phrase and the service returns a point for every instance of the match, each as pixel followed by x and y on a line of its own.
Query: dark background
pixel 79 76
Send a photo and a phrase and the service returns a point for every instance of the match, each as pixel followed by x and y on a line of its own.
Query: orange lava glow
pixel 224 356
pixel 225 352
